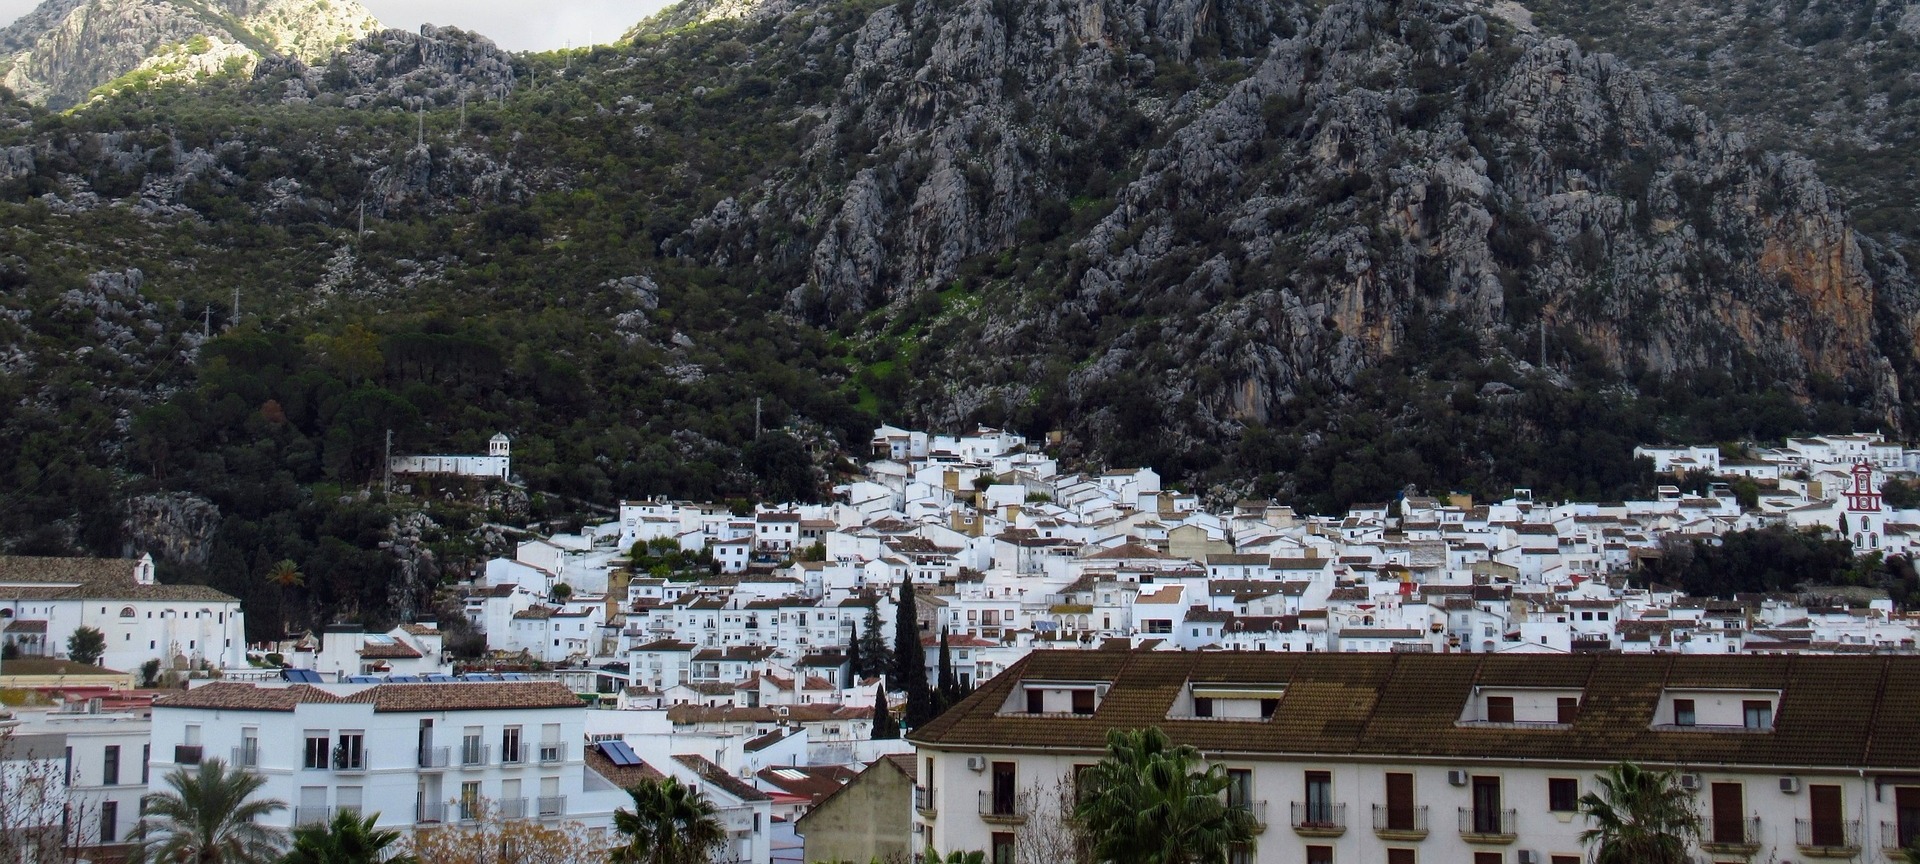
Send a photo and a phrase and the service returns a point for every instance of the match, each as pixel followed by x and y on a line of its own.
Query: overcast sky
pixel 517 25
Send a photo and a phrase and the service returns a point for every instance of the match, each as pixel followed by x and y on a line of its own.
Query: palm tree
pixel 1150 802
pixel 1639 817
pixel 286 574
pixel 349 839
pixel 207 819
pixel 670 823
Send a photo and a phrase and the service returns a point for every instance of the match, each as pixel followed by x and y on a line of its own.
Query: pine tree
pixel 910 659
pixel 883 726
pixel 856 668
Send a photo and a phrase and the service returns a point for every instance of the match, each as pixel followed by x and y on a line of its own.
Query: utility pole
pixel 206 326
pixel 1543 343
pixel 236 307
pixel 756 418
pixel 420 137
pixel 386 484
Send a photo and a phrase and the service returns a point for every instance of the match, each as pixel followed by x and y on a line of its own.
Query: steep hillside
pixel 62 51
pixel 1839 81
pixel 1319 252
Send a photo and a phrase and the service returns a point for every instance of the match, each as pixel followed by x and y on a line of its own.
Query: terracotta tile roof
pixel 1834 712
pixel 623 776
pixel 811 783
pixel 717 777
pixel 395 650
pixel 461 696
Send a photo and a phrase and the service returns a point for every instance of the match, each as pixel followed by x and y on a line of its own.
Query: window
pixel 1319 855
pixel 1729 814
pixel 1488 858
pixel 1202 706
pixel 472 752
pixel 1003 789
pixel 470 801
pixel 1400 856
pixel 1002 848
pixel 1319 810
pixel 1036 702
pixel 1400 815
pixel 317 749
pixel 1499 709
pixel 1683 712
pixel 1564 859
pixel 1568 708
pixel 1083 701
pixel 1486 806
pixel 146 758
pixel 1827 828
pixel 110 766
pixel 1563 794
pixel 109 821
pixel 1758 714
pixel 1238 853
pixel 126 612
pixel 1267 707
pixel 1906 808
pixel 510 745
pixel 351 753
pixel 1240 788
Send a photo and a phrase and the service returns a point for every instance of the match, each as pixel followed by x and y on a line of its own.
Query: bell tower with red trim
pixel 1863 497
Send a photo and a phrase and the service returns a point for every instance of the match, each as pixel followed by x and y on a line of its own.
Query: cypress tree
pixel 948 691
pixel 910 659
pixel 883 726
pixel 855 667
pixel 874 656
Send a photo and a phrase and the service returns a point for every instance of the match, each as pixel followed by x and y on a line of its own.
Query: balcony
pixel 349 761
pixel 1731 836
pixel 469 811
pixel 246 756
pixel 1895 837
pixel 1002 809
pixel 1823 839
pixel 312 815
pixel 1487 826
pixel 1319 819
pixel 1401 824
pixel 513 808
pixel 432 757
pixel 551 806
pixel 512 754
pixel 1255 810
pixel 430 812
pixel 553 751
pixel 923 802
pixel 473 755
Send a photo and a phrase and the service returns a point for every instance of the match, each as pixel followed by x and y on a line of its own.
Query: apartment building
pixel 104 765
pixel 417 754
pixel 1405 758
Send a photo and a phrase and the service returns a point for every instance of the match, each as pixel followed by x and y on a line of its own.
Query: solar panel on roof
pixel 362 679
pixel 439 678
pixel 514 676
pixel 403 679
pixel 619 753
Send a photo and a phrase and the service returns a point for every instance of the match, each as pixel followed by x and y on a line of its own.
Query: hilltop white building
pixel 44 600
pixel 497 463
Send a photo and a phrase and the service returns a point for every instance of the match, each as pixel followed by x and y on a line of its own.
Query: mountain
pixel 58 54
pixel 1837 81
pixel 1321 252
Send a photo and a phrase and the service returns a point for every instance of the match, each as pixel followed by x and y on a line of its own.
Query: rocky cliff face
pixel 1300 185
pixel 59 53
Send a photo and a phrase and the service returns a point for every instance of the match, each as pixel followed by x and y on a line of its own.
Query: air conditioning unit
pixel 1790 785
pixel 1527 856
pixel 976 763
pixel 1690 781
pixel 1457 778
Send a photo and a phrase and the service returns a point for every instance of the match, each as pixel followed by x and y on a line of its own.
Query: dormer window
pixel 1245 702
pixel 1521 706
pixel 1714 710
pixel 1055 698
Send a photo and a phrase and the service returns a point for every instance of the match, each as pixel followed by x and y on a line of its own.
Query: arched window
pixel 126 612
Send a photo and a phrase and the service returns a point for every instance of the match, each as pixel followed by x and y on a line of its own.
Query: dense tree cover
pixel 463 311
pixel 1776 558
